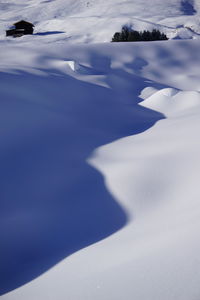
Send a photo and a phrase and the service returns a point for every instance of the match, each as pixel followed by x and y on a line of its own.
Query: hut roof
pixel 22 22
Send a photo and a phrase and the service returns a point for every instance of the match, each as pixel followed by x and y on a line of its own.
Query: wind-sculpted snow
pixel 53 117
pixel 84 158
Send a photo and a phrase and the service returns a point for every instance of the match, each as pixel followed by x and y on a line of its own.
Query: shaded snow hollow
pixel 99 152
pixel 95 145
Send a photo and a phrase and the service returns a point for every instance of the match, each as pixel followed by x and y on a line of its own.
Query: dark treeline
pixel 127 34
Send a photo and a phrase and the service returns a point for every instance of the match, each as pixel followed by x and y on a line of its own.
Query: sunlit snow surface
pixel 97 20
pixel 99 153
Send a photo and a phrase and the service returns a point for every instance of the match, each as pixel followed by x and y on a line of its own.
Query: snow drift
pixel 99 153
pixel 58 106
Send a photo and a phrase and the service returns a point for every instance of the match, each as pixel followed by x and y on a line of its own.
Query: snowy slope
pixel 67 106
pixel 99 153
pixel 97 20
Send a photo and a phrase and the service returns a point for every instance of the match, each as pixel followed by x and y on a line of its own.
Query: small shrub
pixel 116 37
pixel 127 34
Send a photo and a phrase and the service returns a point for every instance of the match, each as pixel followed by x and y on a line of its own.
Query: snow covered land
pixel 99 152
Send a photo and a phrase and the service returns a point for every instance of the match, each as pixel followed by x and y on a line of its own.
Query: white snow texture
pixel 99 152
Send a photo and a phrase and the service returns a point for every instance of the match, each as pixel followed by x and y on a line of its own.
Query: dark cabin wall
pixel 21 28
pixel 28 27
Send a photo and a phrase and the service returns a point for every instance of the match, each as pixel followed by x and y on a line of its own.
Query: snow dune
pixel 100 147
pixel 53 120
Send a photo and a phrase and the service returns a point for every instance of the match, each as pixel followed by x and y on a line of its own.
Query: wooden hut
pixel 20 28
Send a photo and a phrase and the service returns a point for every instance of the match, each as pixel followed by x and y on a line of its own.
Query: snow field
pixel 144 110
pixel 92 21
pixel 99 152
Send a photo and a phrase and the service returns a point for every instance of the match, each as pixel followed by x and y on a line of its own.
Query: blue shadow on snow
pixel 187 7
pixel 53 203
pixel 49 33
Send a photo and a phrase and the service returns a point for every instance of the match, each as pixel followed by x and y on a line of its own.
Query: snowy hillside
pixel 99 152
pixel 97 20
